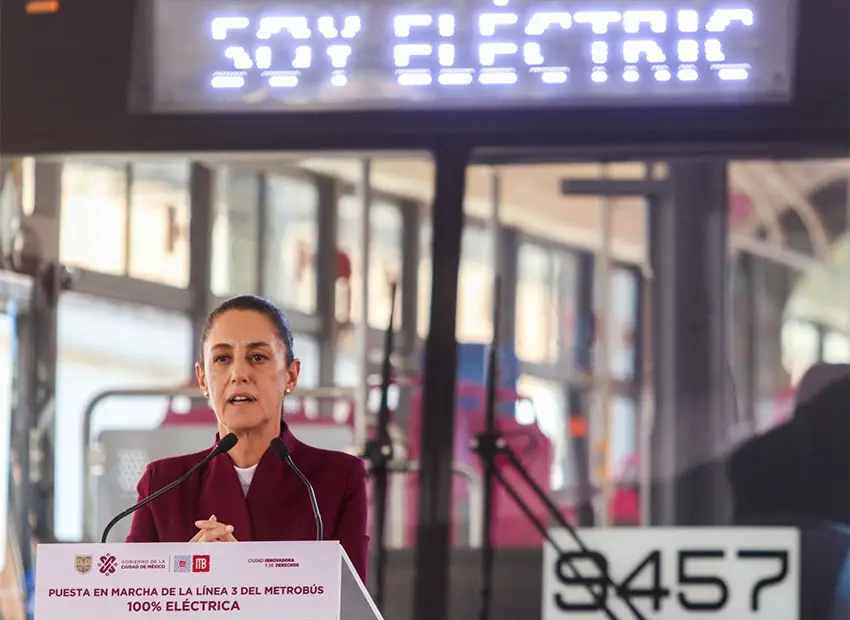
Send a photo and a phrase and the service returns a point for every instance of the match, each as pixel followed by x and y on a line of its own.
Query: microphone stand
pixel 379 453
pixel 280 448
pixel 485 444
pixel 491 444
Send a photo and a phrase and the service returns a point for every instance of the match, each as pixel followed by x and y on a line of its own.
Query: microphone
pixel 224 445
pixel 280 448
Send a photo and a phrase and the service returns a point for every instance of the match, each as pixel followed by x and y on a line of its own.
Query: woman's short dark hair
pixel 258 304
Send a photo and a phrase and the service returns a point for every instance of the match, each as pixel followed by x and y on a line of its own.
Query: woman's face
pixel 245 373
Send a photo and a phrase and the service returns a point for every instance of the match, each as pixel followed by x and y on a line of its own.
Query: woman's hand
pixel 211 530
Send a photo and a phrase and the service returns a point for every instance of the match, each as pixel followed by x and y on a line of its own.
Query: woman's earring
pixel 206 395
pixel 288 390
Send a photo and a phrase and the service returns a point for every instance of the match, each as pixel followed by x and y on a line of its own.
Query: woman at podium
pixel 254 491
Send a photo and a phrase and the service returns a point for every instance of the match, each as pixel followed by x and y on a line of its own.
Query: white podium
pixel 257 580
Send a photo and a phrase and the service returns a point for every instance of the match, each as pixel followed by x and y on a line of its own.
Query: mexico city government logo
pixel 83 564
pixel 107 564
pixel 191 564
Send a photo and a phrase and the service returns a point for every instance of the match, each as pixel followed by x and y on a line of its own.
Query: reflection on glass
pixel 159 222
pixel 385 261
pixel 623 439
pixel 549 406
pixel 292 236
pixel 475 286
pixel 567 273
pixel 622 323
pixel 545 304
pixel 93 216
pixel 307 350
pixel 800 348
pixel 620 441
pixel 387 231
pixel 821 296
pixel 525 412
pixel 536 305
pixel 236 234
pixel 836 348
pixel 346 362
pixel 423 295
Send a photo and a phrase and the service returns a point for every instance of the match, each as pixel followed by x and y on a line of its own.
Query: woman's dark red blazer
pixel 277 506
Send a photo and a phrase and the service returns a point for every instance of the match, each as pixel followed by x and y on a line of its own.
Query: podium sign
pixel 298 580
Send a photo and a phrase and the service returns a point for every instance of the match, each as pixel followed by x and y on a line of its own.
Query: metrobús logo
pixel 157 564
pixel 275 562
pixel 190 564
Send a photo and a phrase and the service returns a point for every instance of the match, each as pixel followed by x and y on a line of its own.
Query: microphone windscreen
pixel 280 448
pixel 226 443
